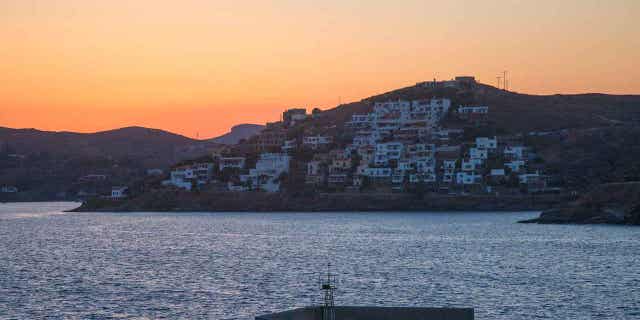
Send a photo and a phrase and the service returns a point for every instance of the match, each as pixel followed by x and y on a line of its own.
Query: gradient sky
pixel 200 66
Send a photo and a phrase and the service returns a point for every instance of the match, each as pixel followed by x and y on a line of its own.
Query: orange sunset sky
pixel 201 66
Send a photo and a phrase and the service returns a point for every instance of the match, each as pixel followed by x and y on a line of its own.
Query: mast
pixel 328 287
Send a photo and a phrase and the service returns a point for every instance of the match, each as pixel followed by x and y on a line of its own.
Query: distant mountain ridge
pixel 130 142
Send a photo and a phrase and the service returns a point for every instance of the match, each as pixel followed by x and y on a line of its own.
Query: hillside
pixel 157 146
pixel 46 165
pixel 579 140
pixel 513 112
pixel 583 139
pixel 237 133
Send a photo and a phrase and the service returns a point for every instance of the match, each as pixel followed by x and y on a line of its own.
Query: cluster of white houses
pixel 400 144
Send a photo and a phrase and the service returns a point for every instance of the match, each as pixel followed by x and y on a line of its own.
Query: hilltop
pixel 156 146
pixel 513 112
pixel 238 133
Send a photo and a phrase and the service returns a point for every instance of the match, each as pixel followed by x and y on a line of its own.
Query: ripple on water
pixel 237 265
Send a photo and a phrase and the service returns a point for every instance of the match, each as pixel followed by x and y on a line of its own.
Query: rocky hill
pixel 513 112
pixel 582 139
pixel 237 133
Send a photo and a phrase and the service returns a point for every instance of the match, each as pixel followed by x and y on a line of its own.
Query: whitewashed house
pixel 185 176
pixel 8 189
pixel 314 142
pixel 289 145
pixel 265 176
pixel 529 177
pixel 468 178
pixel 486 143
pixel 181 177
pixel 478 153
pixel 388 151
pixel 515 165
pixel 119 192
pixel 514 152
pixel 467 110
pixel 468 165
pixel 377 172
pixel 448 170
pixel 231 162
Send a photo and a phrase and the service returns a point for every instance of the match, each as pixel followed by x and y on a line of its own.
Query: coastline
pixel 610 203
pixel 176 201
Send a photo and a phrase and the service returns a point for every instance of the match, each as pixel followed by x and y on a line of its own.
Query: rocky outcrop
pixel 613 203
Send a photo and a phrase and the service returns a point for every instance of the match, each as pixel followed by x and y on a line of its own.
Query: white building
pixel 155 172
pixel 185 176
pixel 269 168
pixel 181 177
pixel 420 150
pixel 8 189
pixel 232 162
pixel 427 165
pixel 515 165
pixel 313 168
pixel 432 110
pixel 377 172
pixel 119 192
pixel 529 177
pixel 514 152
pixel 473 110
pixel 314 142
pixel 477 153
pixel 486 143
pixel 289 145
pixel 406 165
pixel 468 178
pixel 388 151
pixel 468 165
pixel 366 138
pixel 422 178
pixel 292 116
pixel 448 170
pixel 401 117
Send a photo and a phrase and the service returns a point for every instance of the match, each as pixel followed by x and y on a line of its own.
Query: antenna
pixel 328 287
pixel 504 80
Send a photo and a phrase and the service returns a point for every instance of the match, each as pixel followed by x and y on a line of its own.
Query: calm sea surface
pixel 57 265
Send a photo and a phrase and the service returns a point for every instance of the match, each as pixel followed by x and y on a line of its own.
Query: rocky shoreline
pixel 614 203
pixel 278 202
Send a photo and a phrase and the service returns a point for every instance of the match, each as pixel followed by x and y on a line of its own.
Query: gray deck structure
pixel 375 313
